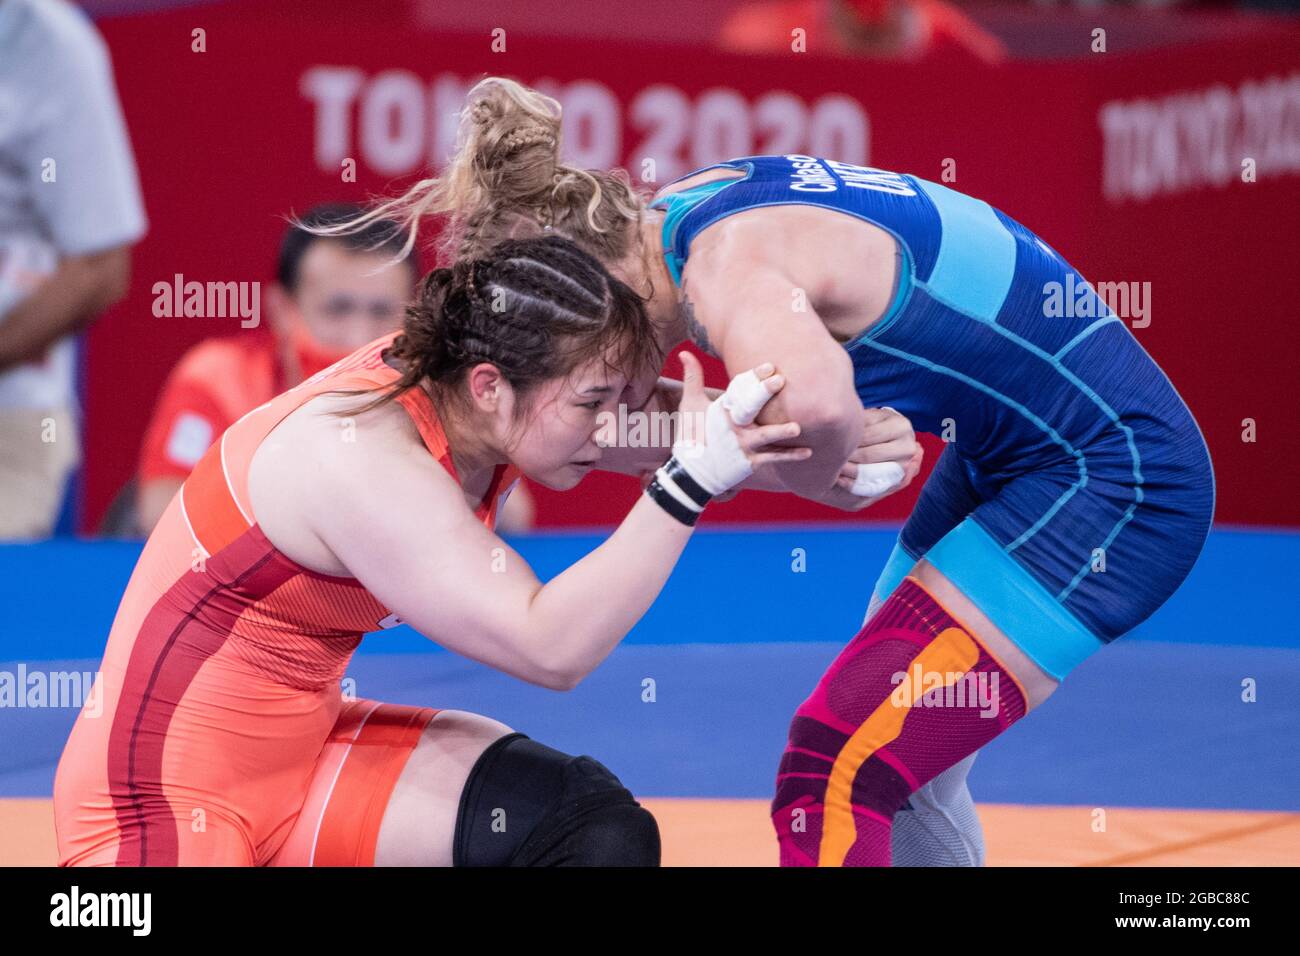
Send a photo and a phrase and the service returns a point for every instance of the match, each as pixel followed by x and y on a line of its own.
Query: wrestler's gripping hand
pixel 718 441
pixel 886 460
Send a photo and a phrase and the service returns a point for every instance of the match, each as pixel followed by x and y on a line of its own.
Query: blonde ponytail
pixel 505 181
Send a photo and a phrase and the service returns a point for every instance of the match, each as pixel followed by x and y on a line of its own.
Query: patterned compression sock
pixel 912 694
pixel 938 825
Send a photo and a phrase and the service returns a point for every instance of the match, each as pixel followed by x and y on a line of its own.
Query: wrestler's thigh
pixel 420 823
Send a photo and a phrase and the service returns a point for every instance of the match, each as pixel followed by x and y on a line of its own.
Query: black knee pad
pixel 527 804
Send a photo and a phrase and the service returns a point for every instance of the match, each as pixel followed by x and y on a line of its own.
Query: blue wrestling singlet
pixel 1076 491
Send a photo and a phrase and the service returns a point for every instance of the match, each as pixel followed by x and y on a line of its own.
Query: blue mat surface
pixel 1157 719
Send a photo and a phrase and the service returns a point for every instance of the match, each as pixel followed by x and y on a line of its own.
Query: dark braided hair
pixel 534 308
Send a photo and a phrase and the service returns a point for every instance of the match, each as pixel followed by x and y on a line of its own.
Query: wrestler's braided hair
pixel 534 308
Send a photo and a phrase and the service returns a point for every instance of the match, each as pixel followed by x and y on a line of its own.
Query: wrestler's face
pixel 553 433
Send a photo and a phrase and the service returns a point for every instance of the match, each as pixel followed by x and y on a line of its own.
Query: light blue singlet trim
pixel 677 205
pixel 896 568
pixel 977 254
pixel 1104 320
pixel 1021 608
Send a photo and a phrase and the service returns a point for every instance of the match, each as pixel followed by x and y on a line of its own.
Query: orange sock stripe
pixel 952 653
pixel 1006 671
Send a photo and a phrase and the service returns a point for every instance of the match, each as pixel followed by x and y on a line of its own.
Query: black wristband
pixel 664 499
pixel 674 470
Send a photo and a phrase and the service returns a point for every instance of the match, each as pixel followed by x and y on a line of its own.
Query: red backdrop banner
pixel 1175 174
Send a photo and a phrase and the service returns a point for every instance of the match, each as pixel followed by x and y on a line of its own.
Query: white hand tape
pixel 877 478
pixel 720 463
pixel 745 397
